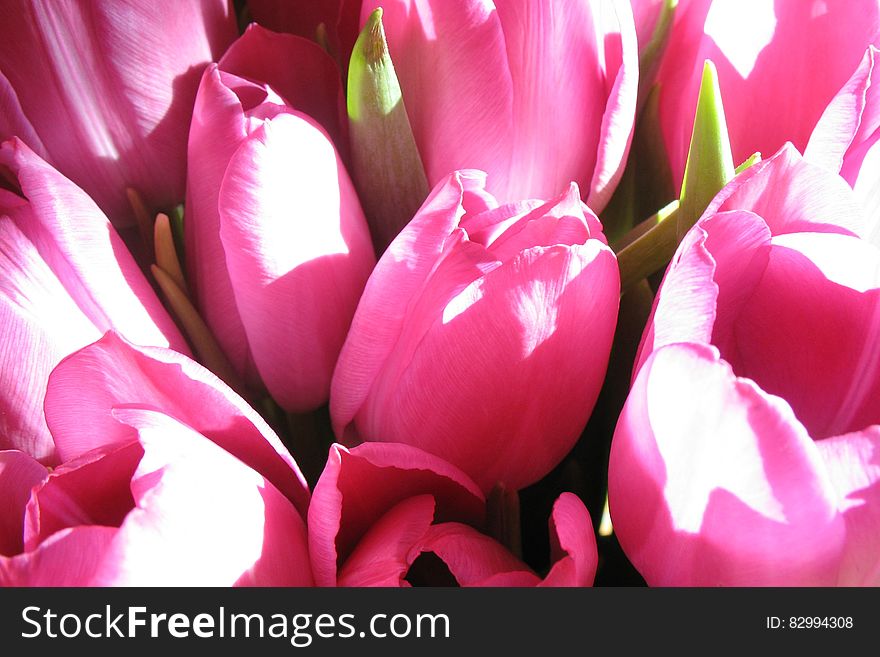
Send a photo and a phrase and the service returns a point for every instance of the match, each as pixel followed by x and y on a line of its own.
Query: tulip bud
pixel 387 169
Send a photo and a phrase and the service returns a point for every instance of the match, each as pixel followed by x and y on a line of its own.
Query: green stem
pixel 648 247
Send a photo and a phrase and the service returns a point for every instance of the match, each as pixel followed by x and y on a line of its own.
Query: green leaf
pixel 754 158
pixel 710 161
pixel 386 166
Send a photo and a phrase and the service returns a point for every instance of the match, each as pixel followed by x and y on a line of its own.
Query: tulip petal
pixel 573 544
pixel 622 72
pixel 815 309
pixel 791 195
pixel 836 130
pixel 112 110
pixel 202 517
pixel 14 122
pixel 40 326
pixel 556 70
pixel 383 556
pixel 401 271
pixel 358 486
pixel 71 557
pixel 85 253
pixel 471 557
pixel 218 127
pixel 90 490
pixel 719 261
pixel 19 474
pixel 528 316
pixel 728 491
pixel 853 462
pixel 563 220
pixel 298 252
pixel 85 387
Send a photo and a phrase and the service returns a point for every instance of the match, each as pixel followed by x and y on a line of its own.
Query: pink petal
pixel 816 309
pixel 299 70
pixel 19 474
pixel 359 486
pixel 792 195
pixel 218 127
pixel 714 482
pixel 854 467
pixel 520 324
pixel 471 557
pixel 85 388
pixel 573 544
pixel 515 578
pixel 39 325
pixel 836 130
pixel 85 253
pixel 621 85
pixel 202 517
pixel 383 556
pixel 70 557
pixel 562 220
pixel 400 273
pixel 13 121
pixel 109 88
pixel 298 252
pixel 557 55
pixel 90 490
pixel 718 263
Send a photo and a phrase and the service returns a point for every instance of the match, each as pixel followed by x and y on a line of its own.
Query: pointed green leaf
pixel 710 162
pixel 386 165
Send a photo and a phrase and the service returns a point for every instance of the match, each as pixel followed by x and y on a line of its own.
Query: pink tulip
pixel 779 65
pixel 65 279
pixel 746 453
pixel 176 482
pixel 536 94
pixel 378 509
pixel 483 333
pixel 278 249
pixel 104 90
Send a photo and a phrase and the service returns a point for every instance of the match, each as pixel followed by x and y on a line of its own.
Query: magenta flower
pixel 536 94
pixel 65 279
pixel 379 508
pixel 278 250
pixel 104 90
pixel 177 482
pixel 483 333
pixel 780 65
pixel 746 453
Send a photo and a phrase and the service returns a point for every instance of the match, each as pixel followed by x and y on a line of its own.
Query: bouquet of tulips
pixel 440 292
